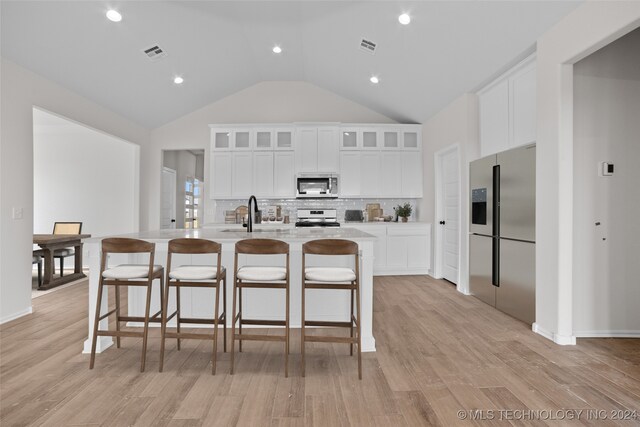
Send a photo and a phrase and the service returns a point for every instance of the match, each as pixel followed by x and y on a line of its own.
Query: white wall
pixel 457 124
pixel 590 27
pixel 21 90
pixel 83 175
pixel 606 128
pixel 267 102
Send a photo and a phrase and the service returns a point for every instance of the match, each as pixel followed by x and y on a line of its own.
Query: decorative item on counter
pixel 241 214
pixel 274 214
pixel 404 211
pixel 373 211
pixel 285 217
pixel 229 217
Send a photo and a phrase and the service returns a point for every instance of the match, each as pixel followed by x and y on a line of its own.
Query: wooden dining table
pixel 49 243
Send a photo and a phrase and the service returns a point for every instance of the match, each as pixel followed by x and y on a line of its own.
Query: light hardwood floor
pixel 438 352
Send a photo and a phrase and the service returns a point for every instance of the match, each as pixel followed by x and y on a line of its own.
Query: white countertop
pixel 234 233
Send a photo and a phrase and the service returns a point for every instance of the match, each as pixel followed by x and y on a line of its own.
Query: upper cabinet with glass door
pixel 411 137
pixel 390 138
pixel 231 139
pixel 350 138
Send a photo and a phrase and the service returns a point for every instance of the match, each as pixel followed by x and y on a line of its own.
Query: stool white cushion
pixel 129 271
pixel 195 272
pixel 63 252
pixel 329 274
pixel 262 274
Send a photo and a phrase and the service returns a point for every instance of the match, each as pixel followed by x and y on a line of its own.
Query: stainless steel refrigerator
pixel 502 231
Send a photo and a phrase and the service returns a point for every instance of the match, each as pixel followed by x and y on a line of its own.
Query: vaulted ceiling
pixel 221 47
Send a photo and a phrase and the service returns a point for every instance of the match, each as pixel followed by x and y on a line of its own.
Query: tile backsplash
pixel 217 207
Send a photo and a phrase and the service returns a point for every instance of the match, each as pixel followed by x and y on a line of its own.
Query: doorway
pixel 447 227
pixel 181 189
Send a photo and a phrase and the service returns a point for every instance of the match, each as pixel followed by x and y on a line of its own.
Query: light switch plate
pixel 17 213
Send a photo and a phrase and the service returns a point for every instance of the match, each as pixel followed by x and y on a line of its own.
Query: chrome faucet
pixel 250 214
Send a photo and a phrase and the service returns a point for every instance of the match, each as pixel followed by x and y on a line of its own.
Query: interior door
pixel 168 199
pixel 450 182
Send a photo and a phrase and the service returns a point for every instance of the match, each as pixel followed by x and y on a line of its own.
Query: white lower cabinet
pixel 400 249
pixel 283 174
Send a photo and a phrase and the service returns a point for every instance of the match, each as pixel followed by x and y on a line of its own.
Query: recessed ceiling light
pixel 114 15
pixel 178 80
pixel 277 49
pixel 404 19
pixel 374 80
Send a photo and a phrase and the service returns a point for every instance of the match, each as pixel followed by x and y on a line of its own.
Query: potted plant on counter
pixel 404 211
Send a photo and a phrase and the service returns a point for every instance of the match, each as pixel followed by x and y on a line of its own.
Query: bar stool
pixel 127 275
pixel 195 276
pixel 261 278
pixel 332 278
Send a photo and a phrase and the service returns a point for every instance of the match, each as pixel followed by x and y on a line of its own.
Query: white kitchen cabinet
pixel 411 174
pixel 242 180
pixel 523 99
pixel 283 174
pixel 369 173
pixel 390 173
pixel 350 138
pixel 494 119
pixel 408 247
pixel 411 139
pixel 418 252
pixel 283 138
pixel 328 150
pixel 317 149
pixel 508 109
pixel 221 172
pixel 370 139
pixel 221 139
pixel 263 174
pixel 264 139
pixel 349 184
pixel 396 252
pixel 390 139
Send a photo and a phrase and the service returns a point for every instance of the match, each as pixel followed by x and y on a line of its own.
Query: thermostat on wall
pixel 606 169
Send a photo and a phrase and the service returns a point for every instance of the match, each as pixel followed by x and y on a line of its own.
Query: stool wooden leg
pixel 40 273
pixel 178 312
pixel 286 338
pixel 240 317
pixel 117 315
pixel 224 313
pixel 215 330
pixel 302 326
pixel 358 330
pixel 233 326
pixel 351 321
pixel 61 266
pixel 146 326
pixel 95 325
pixel 165 307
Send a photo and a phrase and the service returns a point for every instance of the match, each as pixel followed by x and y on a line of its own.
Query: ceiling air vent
pixel 368 46
pixel 154 52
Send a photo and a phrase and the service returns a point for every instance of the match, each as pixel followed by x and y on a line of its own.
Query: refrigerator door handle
pixel 495 247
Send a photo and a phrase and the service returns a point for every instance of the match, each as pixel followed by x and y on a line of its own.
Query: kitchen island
pixel 257 303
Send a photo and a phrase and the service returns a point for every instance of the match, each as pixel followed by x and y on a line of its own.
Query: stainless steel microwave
pixel 317 186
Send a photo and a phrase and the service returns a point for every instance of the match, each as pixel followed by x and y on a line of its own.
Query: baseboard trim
pixel 403 272
pixel 15 316
pixel 463 291
pixel 607 334
pixel 556 338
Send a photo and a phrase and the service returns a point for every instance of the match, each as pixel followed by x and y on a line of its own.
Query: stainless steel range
pixel 317 218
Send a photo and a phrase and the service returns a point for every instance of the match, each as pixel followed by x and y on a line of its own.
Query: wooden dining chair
pixel 61 254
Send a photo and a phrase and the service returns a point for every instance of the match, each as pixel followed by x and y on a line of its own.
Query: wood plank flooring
pixel 439 352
